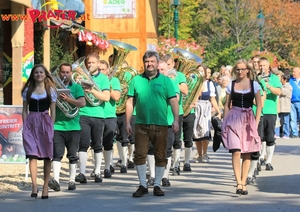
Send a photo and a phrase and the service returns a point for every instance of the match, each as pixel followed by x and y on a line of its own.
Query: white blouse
pixel 255 85
pixel 40 96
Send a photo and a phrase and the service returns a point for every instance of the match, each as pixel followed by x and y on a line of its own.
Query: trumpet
pixel 69 110
pixel 82 76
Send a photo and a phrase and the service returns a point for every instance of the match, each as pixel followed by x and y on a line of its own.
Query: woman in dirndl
pixel 39 95
pixel 203 107
pixel 239 128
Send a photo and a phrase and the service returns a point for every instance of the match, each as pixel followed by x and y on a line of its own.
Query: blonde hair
pixel 250 74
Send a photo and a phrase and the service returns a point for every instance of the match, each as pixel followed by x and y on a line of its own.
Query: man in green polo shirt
pixel 92 120
pixel 186 123
pixel 150 93
pixel 273 90
pixel 110 117
pixel 66 130
pixel 163 69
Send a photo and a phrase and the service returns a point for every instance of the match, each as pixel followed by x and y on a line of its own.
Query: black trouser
pixel 109 133
pixel 268 133
pixel 186 124
pixel 68 140
pixel 177 138
pixel 91 134
pixel 132 123
pixel 188 127
pixel 255 155
pixel 122 136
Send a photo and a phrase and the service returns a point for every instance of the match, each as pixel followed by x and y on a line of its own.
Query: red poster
pixel 11 143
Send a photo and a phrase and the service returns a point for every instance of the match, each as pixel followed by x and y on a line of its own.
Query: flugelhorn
pixel 81 75
pixel 124 74
pixel 69 110
pixel 187 64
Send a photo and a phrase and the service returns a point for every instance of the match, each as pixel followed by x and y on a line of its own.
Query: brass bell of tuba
pixel 81 75
pixel 187 64
pixel 124 74
pixel 69 110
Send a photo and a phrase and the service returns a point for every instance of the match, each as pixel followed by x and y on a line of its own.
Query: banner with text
pixel 114 8
pixel 11 142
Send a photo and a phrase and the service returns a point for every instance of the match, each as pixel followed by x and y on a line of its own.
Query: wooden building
pixel 16 48
pixel 138 27
pixel 140 31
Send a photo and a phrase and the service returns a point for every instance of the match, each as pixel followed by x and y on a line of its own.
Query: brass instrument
pixel 187 64
pixel 82 76
pixel 69 110
pixel 124 74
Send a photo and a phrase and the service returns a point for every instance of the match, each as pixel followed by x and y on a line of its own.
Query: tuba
pixel 187 64
pixel 81 76
pixel 124 74
pixel 69 110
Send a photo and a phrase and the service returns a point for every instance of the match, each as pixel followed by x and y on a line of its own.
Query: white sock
pixel 82 161
pixel 112 158
pixel 270 152
pixel 56 165
pixel 187 155
pixel 107 158
pixel 141 171
pixel 253 165
pixel 130 151
pixel 176 153
pixel 263 150
pixel 72 172
pixel 167 170
pixel 159 171
pixel 151 165
pixel 124 155
pixel 93 156
pixel 98 162
pixel 119 147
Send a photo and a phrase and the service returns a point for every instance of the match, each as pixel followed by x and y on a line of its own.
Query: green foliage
pixel 187 18
pixel 220 53
pixel 58 54
pixel 38 47
pixel 228 29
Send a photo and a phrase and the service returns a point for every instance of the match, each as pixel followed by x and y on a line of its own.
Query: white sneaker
pixel 205 158
pixel 196 156
pixel 199 159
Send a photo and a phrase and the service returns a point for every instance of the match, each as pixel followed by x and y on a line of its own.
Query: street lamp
pixel 260 23
pixel 175 3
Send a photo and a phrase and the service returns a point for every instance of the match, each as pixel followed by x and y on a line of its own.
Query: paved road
pixel 209 187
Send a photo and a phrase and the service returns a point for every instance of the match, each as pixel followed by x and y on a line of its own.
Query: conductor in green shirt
pixel 151 93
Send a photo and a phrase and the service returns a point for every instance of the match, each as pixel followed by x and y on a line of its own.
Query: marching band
pixel 148 115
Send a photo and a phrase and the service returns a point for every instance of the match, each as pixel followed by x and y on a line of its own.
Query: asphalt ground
pixel 208 187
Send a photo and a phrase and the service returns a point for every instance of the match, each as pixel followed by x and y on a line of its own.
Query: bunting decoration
pixel 93 38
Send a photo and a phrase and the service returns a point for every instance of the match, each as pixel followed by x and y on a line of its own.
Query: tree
pixel 59 52
pixel 229 30
pixel 281 34
pixel 187 18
